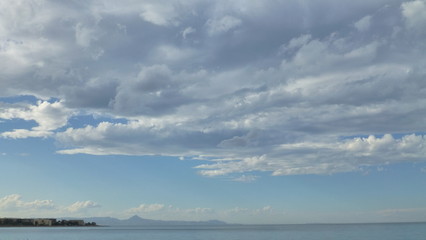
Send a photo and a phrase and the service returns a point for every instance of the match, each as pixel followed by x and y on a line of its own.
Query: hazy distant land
pixel 99 221
pixel 138 221
pixel 44 222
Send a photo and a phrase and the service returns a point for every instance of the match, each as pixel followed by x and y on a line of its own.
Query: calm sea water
pixel 397 231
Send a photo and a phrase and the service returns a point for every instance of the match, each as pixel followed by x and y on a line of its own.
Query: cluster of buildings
pixel 46 222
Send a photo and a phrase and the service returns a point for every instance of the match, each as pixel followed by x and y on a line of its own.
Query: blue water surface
pixel 394 231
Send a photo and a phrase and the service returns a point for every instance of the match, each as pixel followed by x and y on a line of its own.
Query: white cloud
pixel 327 157
pixel 267 214
pixel 25 55
pixel 172 54
pixel 246 178
pixel 24 133
pixel 161 211
pixel 188 31
pixel 245 101
pixel 48 116
pixel 82 206
pixel 23 15
pixel 403 214
pixel 159 14
pixel 14 206
pixel 401 210
pixel 84 36
pixel 13 202
pixel 222 25
pixel 363 24
pixel 408 146
pixel 413 12
pixel 146 208
pixel 232 215
pixel 296 43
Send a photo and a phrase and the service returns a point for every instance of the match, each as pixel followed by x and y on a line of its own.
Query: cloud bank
pixel 14 205
pixel 286 87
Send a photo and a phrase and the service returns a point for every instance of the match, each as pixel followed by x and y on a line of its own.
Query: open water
pixel 393 231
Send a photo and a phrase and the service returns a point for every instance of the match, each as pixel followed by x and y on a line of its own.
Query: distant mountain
pixel 138 221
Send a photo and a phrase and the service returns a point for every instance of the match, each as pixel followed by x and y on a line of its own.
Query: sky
pixel 277 111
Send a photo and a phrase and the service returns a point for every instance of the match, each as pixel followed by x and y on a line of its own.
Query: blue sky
pixel 260 112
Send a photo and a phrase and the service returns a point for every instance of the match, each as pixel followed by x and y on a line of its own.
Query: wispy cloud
pixel 246 178
pixel 81 206
pixel 146 208
pixel 170 212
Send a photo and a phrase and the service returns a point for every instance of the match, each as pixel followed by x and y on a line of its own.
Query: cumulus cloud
pixel 48 116
pixel 21 16
pixel 14 202
pixel 82 206
pixel 15 205
pixel 286 87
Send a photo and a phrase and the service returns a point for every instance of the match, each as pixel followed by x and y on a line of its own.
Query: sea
pixel 387 231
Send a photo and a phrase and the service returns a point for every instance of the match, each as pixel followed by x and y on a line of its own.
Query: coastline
pixel 44 222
